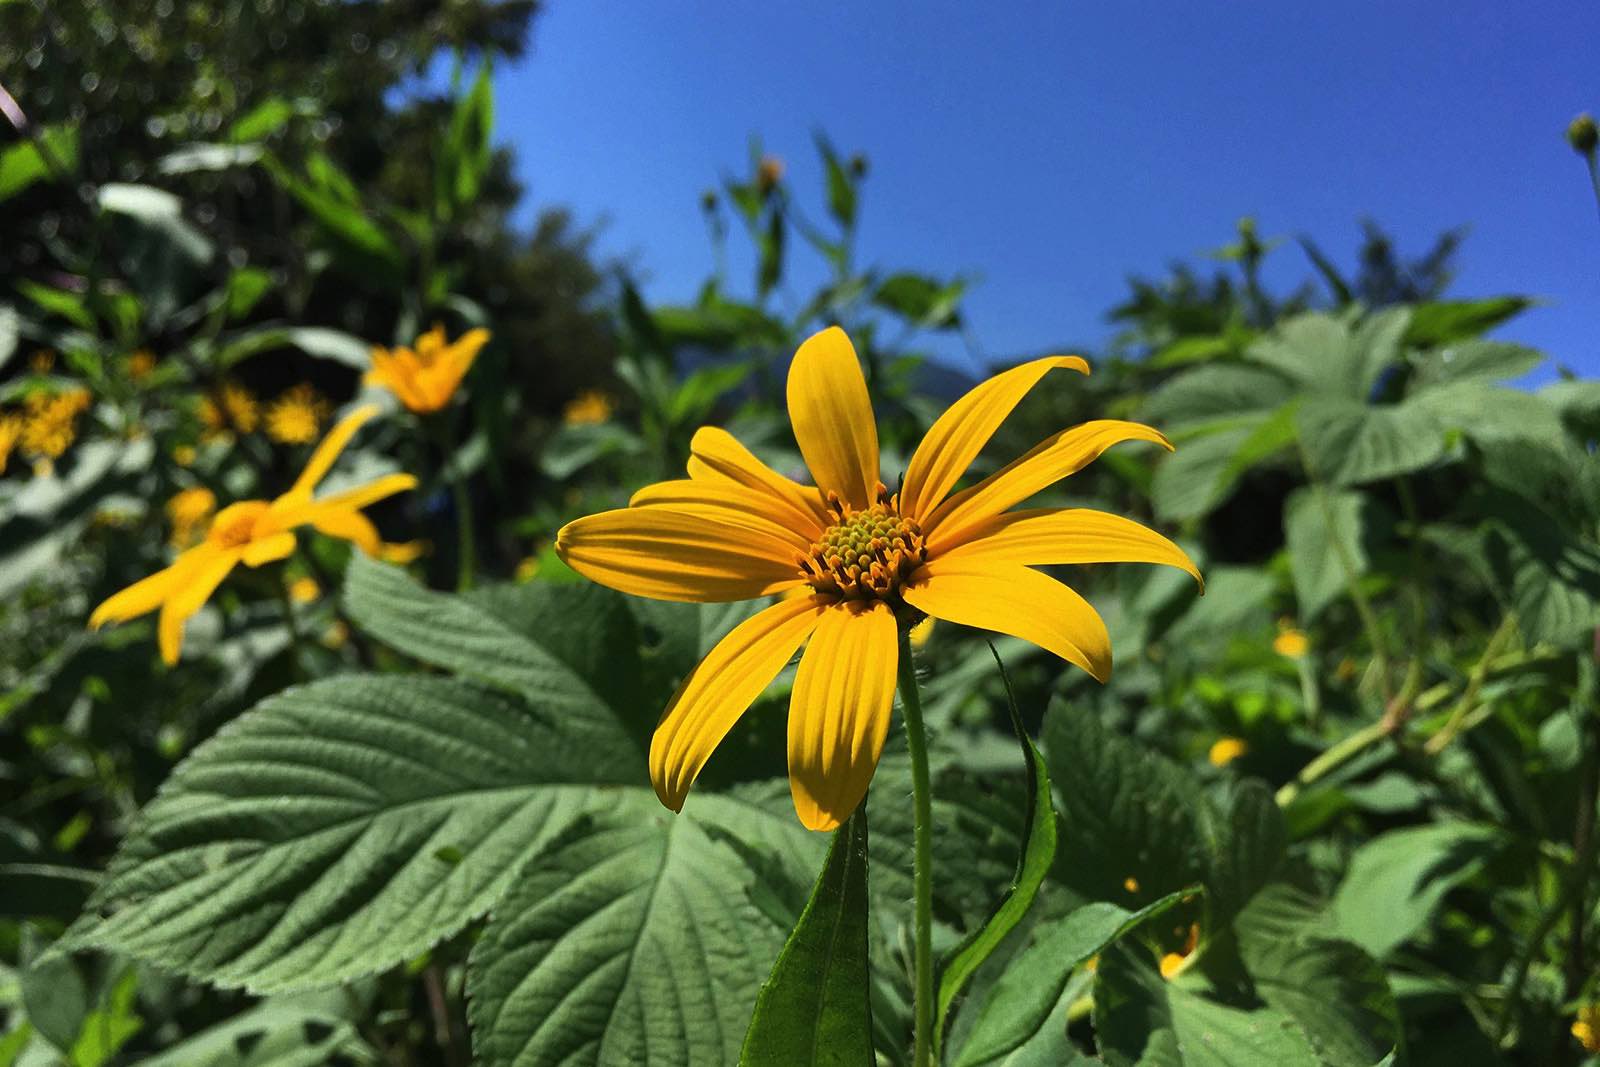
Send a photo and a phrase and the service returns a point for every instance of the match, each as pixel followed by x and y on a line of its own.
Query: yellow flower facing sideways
pixel 426 378
pixel 254 532
pixel 859 562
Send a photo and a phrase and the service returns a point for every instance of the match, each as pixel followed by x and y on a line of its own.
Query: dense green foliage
pixel 1339 810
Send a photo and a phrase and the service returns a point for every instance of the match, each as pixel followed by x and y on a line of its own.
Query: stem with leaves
pixel 922 799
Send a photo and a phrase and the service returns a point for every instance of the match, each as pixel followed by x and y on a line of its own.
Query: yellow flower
pixel 921 632
pixel 528 569
pixel 190 511
pixel 254 532
pixel 863 558
pixel 402 552
pixel 296 416
pixel 1291 643
pixel 1173 962
pixel 140 364
pixel 10 434
pixel 769 172
pixel 1131 884
pixel 587 408
pixel 232 408
pixel 1227 749
pixel 50 424
pixel 304 590
pixel 1586 1027
pixel 184 455
pixel 424 380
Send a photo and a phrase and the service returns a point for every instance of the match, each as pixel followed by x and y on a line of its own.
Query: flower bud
pixel 769 173
pixel 1582 134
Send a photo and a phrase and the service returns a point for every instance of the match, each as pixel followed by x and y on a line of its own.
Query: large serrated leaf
pixel 1348 443
pixel 814 1009
pixel 455 633
pixel 633 940
pixel 1214 393
pixel 338 829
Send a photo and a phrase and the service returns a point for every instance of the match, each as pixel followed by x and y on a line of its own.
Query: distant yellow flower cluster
pixel 230 409
pixel 45 427
pixel 587 409
pixel 190 512
pixel 1586 1027
pixel 296 417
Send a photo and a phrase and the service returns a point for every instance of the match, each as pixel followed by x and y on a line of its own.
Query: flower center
pixel 235 524
pixel 865 553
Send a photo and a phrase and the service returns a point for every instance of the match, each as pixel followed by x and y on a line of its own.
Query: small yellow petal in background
pixel 202 581
pixel 147 594
pixel 832 417
pixel 328 451
pixel 840 709
pixel 718 691
pixel 1291 643
pixel 402 552
pixel 669 555
pixel 348 525
pixel 267 549
pixel 587 409
pixel 1051 460
pixel 304 590
pixel 1018 601
pixel 954 441
pixel 1224 750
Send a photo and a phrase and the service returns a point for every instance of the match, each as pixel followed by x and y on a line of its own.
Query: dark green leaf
pixel 1349 443
pixel 813 1009
pixel 1394 882
pixel 1443 321
pixel 1325 534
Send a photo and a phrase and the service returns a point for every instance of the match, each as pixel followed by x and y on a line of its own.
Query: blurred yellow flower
pixel 1131 884
pixel 254 532
pixel 426 378
pixel 336 635
pixel 50 421
pixel 587 409
pixel 184 455
pixel 10 434
pixel 528 569
pixel 769 172
pixel 1586 1027
pixel 304 590
pixel 922 631
pixel 736 530
pixel 297 415
pixel 1290 642
pixel 1173 962
pixel 140 364
pixel 402 552
pixel 1224 750
pixel 190 511
pixel 232 408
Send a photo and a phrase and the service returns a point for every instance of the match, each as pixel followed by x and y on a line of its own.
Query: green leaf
pixel 1337 286
pixel 1551 577
pixel 921 300
pixel 305 1030
pixel 1021 1003
pixel 110 1026
pixel 265 119
pixel 841 186
pixel 1477 360
pixel 1394 882
pixel 467 149
pixel 1038 852
pixel 452 632
pixel 1193 349
pixel 1486 413
pixel 769 271
pixel 1440 322
pixel 814 1007
pixel 1196 478
pixel 23 164
pixel 10 333
pixel 1323 529
pixel 297 848
pixel 367 247
pixel 1348 443
pixel 1328 357
pixel 1219 393
pixel 633 939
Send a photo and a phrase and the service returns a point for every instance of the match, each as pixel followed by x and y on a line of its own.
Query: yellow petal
pixel 953 441
pixel 719 690
pixel 366 495
pixel 731 504
pixel 147 594
pixel 347 524
pixel 832 417
pixel 328 451
pixel 204 578
pixel 715 455
pixel 669 555
pixel 1048 536
pixel 1048 462
pixel 1014 600
pixel 840 709
pixel 465 351
pixel 267 549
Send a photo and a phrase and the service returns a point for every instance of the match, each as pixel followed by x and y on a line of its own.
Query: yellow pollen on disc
pixel 865 553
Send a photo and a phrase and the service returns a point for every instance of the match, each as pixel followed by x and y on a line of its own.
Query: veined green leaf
pixel 1442 321
pixel 1394 882
pixel 1349 443
pixel 1222 392
pixel 1325 532
pixel 814 1008
pixel 1038 852
pixel 300 846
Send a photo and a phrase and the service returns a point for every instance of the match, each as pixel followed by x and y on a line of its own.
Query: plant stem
pixel 922 799
pixel 466 553
pixel 1469 696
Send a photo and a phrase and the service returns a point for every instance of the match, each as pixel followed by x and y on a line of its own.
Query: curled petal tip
pixel 1077 363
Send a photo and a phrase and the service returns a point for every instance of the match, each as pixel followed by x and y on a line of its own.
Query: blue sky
pixel 1050 150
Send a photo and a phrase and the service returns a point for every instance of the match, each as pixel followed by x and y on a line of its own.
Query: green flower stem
pixel 922 799
pixel 444 435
